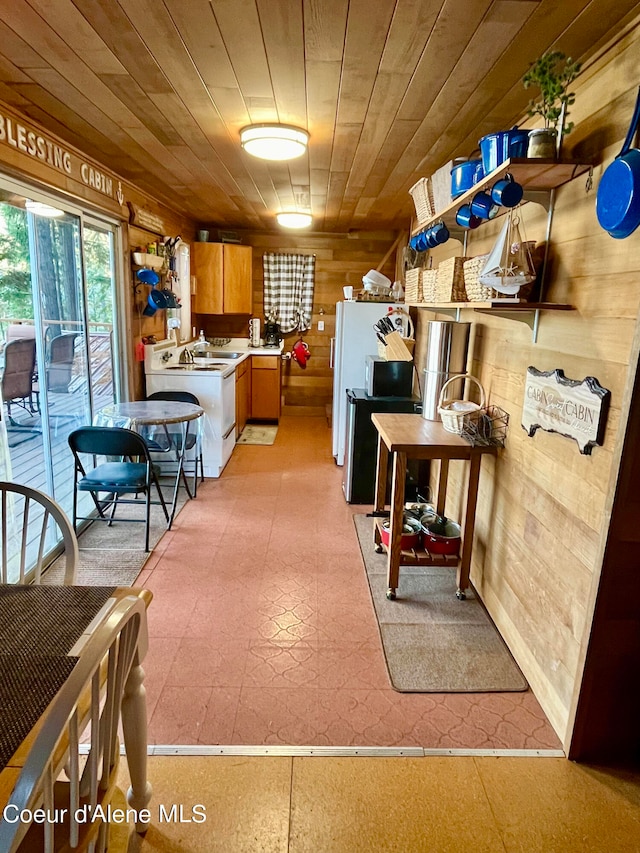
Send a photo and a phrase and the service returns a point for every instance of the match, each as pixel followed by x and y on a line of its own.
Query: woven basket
pixel 413 285
pixel 423 200
pixel 456 413
pixel 441 187
pixel 477 292
pixel 428 280
pixel 450 281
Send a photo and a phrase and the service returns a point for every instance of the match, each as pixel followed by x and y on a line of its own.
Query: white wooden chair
pixel 79 779
pixel 26 515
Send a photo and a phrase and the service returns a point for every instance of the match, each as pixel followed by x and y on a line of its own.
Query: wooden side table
pixel 403 437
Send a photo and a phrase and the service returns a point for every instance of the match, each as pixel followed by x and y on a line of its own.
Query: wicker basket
pixel 455 414
pixel 423 200
pixel 428 280
pixel 478 292
pixel 449 285
pixel 441 188
pixel 413 285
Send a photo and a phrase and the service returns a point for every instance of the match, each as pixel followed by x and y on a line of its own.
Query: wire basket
pixel 486 427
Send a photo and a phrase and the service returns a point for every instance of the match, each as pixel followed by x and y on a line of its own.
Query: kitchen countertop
pixel 218 367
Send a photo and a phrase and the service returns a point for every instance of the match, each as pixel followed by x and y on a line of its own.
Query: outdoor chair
pixel 134 473
pixel 193 442
pixel 25 516
pixel 60 358
pixel 18 375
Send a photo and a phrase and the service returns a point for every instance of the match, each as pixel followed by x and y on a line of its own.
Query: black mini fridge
pixel 361 445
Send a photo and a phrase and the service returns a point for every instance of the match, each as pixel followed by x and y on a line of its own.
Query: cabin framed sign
pixel 574 408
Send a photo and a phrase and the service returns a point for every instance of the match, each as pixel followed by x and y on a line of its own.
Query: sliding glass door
pixel 57 297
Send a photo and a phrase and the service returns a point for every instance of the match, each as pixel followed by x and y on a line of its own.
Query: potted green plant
pixel 552 74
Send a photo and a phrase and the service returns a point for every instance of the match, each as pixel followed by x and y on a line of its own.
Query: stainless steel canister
pixel 447 346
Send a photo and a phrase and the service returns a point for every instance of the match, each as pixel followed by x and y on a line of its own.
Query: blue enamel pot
pixel 618 198
pixel 463 176
pixel 498 147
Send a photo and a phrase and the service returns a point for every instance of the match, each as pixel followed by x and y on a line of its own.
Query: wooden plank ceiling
pixel 158 90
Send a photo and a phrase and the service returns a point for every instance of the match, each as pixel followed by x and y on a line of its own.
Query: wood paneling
pixel 388 90
pixel 544 508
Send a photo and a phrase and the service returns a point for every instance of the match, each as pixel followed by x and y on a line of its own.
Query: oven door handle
pixel 229 431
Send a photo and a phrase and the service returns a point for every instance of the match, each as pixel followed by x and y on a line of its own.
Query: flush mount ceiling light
pixel 274 141
pixel 41 209
pixel 294 220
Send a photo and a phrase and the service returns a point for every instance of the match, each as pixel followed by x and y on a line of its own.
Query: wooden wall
pixel 544 508
pixel 341 259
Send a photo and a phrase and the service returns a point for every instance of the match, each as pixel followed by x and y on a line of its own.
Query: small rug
pixel 107 557
pixel 258 434
pixel 434 643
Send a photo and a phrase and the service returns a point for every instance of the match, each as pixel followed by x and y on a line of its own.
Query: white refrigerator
pixel 355 339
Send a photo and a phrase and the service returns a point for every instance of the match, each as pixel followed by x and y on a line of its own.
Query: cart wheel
pixel 460 595
pixel 391 594
pixel 379 549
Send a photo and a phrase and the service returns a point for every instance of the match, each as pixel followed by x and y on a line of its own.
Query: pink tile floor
pixel 262 629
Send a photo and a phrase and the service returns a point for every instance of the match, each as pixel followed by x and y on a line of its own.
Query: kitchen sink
pixel 195 367
pixel 218 354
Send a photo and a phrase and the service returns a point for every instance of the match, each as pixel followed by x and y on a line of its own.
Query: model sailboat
pixel 508 266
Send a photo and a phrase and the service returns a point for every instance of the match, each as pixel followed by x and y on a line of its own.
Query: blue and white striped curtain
pixel 288 290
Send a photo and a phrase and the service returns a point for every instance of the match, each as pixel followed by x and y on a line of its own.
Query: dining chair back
pixel 27 517
pixel 78 776
pixel 193 441
pixel 132 473
pixel 18 374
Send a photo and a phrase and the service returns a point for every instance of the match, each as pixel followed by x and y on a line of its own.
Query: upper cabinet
pixel 223 278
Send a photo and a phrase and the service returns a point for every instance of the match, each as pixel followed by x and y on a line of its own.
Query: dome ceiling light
pixel 274 141
pixel 294 219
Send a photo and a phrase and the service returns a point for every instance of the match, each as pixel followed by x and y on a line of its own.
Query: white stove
pixel 213 382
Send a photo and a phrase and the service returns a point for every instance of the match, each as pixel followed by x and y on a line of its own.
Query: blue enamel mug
pixel 465 218
pixel 438 234
pixel 507 192
pixel 483 206
pixel 421 242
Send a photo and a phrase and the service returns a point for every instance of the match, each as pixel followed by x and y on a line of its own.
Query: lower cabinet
pixel 265 387
pixel 243 395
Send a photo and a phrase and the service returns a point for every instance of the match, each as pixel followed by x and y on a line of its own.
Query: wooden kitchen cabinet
pixel 243 395
pixel 223 274
pixel 265 387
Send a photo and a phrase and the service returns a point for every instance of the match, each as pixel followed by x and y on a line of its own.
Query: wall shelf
pixel 143 259
pixel 534 175
pixel 524 312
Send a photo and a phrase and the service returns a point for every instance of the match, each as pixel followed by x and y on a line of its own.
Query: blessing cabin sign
pixel 574 408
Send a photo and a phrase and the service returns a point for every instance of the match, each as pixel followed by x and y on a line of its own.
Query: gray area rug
pixel 258 434
pixel 114 556
pixel 434 643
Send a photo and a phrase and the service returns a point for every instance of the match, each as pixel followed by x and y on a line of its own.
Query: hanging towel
pixel 288 290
